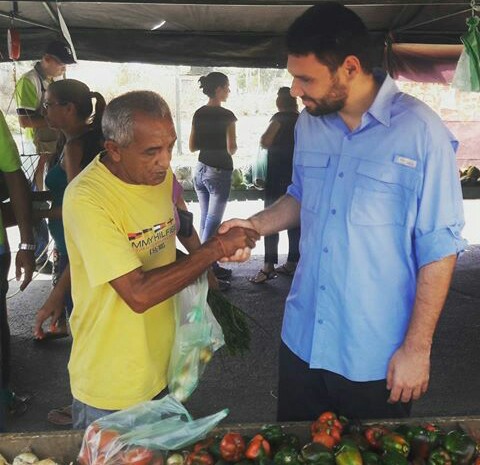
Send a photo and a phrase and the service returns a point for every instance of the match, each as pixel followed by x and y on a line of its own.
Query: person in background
pixel 29 95
pixel 376 190
pixel 20 200
pixel 68 108
pixel 120 231
pixel 278 139
pixel 213 134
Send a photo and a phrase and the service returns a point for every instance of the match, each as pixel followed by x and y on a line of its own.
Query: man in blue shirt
pixel 376 192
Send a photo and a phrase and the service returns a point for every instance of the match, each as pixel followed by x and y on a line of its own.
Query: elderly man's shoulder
pixel 90 183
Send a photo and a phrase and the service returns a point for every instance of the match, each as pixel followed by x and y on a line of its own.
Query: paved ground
pixel 247 385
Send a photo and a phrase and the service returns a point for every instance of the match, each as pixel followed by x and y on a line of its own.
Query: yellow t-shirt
pixel 119 357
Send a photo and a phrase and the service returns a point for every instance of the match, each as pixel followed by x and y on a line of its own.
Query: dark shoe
pixel 286 270
pixel 45 267
pixel 262 276
pixel 222 273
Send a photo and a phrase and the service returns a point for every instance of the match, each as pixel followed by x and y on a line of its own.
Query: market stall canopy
pixel 212 32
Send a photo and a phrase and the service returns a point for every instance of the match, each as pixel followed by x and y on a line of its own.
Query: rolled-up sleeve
pixel 295 188
pixel 440 218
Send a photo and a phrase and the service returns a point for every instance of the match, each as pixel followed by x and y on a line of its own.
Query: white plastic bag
pixel 197 336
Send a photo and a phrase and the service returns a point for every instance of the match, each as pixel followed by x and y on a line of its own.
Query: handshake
pixel 234 240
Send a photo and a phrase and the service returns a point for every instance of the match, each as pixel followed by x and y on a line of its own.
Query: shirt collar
pixel 381 108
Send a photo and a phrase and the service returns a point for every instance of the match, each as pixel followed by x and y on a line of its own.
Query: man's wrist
pixel 26 246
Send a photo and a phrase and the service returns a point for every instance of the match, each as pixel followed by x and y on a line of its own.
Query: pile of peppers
pixel 336 441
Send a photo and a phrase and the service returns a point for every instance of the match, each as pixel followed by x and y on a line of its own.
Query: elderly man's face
pixel 146 159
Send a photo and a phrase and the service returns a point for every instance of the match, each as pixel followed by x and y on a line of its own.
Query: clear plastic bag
pixel 141 435
pixel 197 336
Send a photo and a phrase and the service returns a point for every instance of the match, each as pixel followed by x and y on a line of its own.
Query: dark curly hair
pixel 331 32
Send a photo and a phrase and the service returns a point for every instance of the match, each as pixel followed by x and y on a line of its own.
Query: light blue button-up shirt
pixel 377 204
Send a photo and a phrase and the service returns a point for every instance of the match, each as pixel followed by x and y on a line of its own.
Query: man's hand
pixel 25 260
pixel 240 254
pixel 408 374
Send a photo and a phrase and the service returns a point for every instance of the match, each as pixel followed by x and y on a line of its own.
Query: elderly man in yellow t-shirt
pixel 19 193
pixel 120 232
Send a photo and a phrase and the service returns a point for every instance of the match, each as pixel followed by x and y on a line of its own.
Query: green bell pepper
pixel 439 457
pixel 394 442
pixel 461 447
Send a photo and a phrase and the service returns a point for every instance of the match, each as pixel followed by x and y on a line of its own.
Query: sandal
pixel 60 416
pixel 282 269
pixel 262 276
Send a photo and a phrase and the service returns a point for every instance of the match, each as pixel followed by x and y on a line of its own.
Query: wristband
pixel 24 246
pixel 221 246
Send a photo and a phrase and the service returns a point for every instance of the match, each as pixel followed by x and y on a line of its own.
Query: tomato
pixel 137 456
pixel 105 438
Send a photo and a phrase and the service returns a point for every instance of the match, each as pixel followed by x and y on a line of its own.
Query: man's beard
pixel 334 100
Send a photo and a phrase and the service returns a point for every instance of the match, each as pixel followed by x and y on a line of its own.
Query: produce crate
pixel 64 446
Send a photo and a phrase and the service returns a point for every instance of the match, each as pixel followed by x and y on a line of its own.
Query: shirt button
pixel 325 249
pixel 340 175
pixel 320 321
pixel 333 211
pixel 322 287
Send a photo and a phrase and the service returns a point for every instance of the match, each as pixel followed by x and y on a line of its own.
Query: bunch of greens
pixel 233 322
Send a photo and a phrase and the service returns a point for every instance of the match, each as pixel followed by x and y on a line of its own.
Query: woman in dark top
pixel 279 140
pixel 213 133
pixel 68 107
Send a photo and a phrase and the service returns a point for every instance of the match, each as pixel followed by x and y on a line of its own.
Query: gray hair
pixel 118 119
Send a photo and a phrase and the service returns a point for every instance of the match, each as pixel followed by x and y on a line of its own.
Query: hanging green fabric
pixel 467 73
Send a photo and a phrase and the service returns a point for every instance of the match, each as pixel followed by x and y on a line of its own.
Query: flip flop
pixel 282 269
pixel 50 335
pixel 262 276
pixel 60 416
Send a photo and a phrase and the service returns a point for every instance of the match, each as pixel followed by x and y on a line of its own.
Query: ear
pixel 113 150
pixel 352 66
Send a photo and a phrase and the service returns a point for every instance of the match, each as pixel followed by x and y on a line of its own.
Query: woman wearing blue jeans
pixel 213 133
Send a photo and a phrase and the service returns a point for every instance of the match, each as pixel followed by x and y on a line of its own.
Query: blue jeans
pixel 213 188
pixel 83 414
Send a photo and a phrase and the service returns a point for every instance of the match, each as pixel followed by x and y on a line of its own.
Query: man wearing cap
pixel 29 96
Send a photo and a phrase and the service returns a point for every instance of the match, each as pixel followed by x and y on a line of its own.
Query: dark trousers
pixel 271 242
pixel 304 393
pixel 4 337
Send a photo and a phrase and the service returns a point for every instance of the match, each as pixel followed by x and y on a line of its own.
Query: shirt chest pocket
pixel 314 166
pixel 382 194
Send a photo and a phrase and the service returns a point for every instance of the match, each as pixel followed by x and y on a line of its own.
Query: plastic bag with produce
pixel 142 434
pixel 197 336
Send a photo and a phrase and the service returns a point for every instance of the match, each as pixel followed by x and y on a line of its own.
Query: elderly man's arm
pixel 22 208
pixel 144 289
pixel 409 368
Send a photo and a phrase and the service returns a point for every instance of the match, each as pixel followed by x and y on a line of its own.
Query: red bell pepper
pixel 257 448
pixel 232 447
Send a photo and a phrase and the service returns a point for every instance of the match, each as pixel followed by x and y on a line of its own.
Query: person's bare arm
pixel 283 214
pixel 32 121
pixel 231 139
pixel 269 135
pixel 72 158
pixel 192 144
pixel 143 289
pixel 409 368
pixel 22 208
